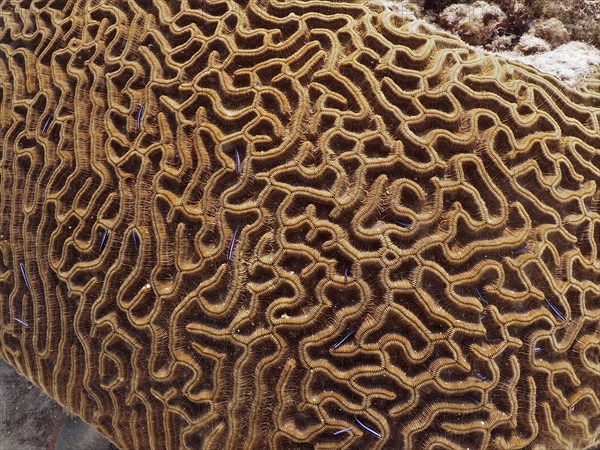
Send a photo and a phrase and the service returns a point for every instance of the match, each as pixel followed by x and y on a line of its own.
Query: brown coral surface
pixel 295 224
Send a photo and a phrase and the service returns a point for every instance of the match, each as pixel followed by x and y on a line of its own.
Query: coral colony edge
pixel 295 225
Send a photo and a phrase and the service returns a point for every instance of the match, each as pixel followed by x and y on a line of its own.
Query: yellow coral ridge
pixel 295 224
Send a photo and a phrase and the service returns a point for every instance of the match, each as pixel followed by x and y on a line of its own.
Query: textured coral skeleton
pixel 300 224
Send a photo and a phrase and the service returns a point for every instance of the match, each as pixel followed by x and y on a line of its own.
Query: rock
pixel 550 30
pixel 476 24
pixel 501 43
pixel 529 44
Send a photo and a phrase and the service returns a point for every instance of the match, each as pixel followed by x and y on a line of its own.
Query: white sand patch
pixel 570 62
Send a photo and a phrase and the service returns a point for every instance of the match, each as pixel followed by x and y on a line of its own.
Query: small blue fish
pixel 103 241
pixel 370 430
pixel 556 311
pixel 238 163
pixel 341 341
pixel 22 322
pixel 139 117
pixel 24 276
pixel 402 224
pixel 523 250
pixel 232 244
pixel 134 237
pixel 481 299
pixel 46 125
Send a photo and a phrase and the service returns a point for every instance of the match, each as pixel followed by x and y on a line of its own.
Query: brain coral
pixel 292 225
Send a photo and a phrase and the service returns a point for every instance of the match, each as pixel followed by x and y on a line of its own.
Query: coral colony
pixel 306 224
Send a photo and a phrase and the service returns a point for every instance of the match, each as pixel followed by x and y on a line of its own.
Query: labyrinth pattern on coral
pixel 294 225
